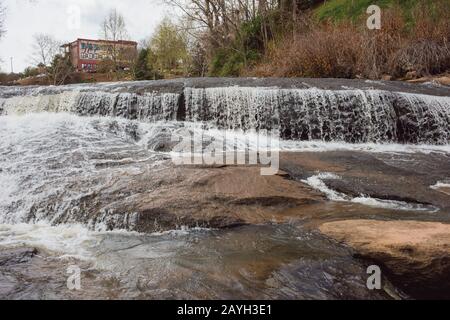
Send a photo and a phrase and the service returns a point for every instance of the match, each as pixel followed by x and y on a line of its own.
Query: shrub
pixel 423 57
pixel 328 51
pixel 244 51
pixel 417 42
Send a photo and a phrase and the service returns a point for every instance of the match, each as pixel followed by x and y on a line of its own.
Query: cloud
pixel 28 17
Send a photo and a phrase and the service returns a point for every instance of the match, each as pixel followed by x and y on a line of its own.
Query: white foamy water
pixel 318 182
pixel 51 162
pixel 58 167
pixel 320 146
pixel 77 241
pixel 356 116
pixel 146 107
pixel 350 115
pixel 66 241
pixel 241 140
pixel 440 185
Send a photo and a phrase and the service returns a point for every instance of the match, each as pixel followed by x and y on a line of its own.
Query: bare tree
pixel 221 20
pixel 45 48
pixel 114 29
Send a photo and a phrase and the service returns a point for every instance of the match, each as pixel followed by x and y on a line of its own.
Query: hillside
pixel 332 40
pixel 339 10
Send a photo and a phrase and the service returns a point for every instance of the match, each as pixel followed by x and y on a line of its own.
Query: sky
pixel 60 18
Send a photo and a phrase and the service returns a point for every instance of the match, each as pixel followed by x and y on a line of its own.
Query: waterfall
pixel 59 167
pixel 356 116
pixel 144 107
pixel 347 114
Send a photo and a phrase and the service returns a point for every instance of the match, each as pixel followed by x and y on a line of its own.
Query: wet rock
pixel 416 255
pixel 439 80
pixel 354 111
pixel 157 219
pixel 387 176
pixel 445 190
pixel 11 257
pixel 210 197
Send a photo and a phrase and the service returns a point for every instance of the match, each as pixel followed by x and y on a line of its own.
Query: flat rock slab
pixel 388 176
pixel 218 198
pixel 178 85
pixel 416 255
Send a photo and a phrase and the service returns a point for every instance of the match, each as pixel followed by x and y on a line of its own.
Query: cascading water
pixel 355 116
pixel 145 107
pixel 58 168
pixel 305 114
pixel 80 164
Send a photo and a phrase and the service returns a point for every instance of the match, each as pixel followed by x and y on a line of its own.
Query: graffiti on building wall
pixel 93 51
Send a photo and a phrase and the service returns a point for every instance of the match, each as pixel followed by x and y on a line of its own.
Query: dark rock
pixel 10 257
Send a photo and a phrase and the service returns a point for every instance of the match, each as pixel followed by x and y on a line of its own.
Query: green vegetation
pixel 284 38
pixel 242 53
pixel 339 10
pixel 144 69
pixel 168 50
pixel 414 41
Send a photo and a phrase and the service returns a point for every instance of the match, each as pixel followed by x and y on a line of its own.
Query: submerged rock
pixel 416 255
pixel 16 256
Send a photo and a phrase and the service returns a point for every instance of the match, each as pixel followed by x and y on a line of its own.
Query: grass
pixel 338 10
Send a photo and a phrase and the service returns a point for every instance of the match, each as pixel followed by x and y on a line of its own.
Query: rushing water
pixel 254 262
pixel 70 158
pixel 349 114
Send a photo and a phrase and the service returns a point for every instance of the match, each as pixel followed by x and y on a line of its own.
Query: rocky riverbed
pixel 89 181
pixel 398 221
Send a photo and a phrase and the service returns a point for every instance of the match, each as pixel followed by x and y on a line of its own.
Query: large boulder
pixel 415 255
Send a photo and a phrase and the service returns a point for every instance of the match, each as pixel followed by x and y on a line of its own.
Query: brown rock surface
pixel 415 254
pixel 222 197
pixel 169 196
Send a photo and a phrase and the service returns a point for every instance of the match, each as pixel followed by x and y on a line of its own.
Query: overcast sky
pixel 58 18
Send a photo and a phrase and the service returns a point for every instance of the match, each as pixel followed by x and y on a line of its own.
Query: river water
pixel 70 183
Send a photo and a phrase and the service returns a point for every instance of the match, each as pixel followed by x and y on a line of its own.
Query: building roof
pixel 102 41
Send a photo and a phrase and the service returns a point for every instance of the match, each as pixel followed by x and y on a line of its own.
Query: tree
pixel 169 48
pixel 114 29
pixel 143 70
pixel 198 66
pixel 235 34
pixel 60 69
pixel 30 72
pixel 45 48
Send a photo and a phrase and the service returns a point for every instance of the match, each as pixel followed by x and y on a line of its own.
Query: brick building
pixel 86 54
